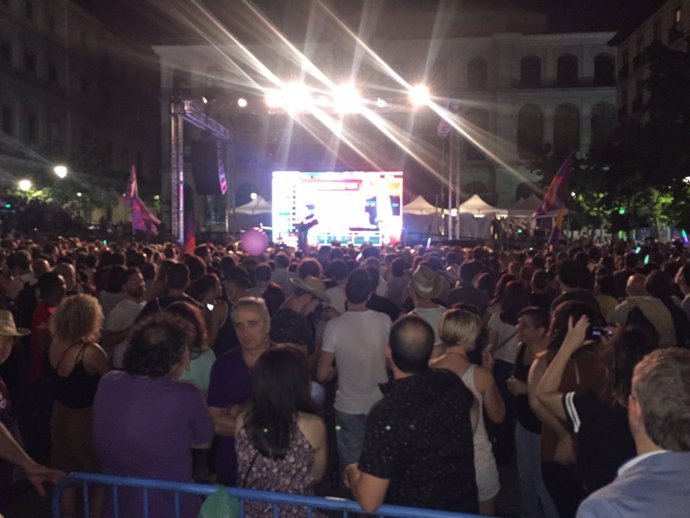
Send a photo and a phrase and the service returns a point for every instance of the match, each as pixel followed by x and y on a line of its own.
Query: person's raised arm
pixel 547 391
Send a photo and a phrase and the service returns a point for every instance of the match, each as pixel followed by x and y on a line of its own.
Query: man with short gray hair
pixel 656 482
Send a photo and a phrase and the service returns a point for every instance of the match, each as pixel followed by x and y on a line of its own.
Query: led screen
pixel 352 206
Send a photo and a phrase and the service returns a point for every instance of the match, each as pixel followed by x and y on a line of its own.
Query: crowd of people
pixel 404 375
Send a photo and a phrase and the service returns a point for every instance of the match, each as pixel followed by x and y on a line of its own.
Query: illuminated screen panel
pixel 351 206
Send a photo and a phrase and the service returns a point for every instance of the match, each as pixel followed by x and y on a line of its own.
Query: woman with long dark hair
pixel 280 441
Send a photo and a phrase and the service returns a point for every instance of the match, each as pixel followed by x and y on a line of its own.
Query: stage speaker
pixel 208 167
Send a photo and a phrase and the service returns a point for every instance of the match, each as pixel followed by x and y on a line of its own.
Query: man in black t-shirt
pixel 418 447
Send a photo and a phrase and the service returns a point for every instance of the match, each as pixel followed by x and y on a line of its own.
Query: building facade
pixel 514 92
pixel 667 25
pixel 68 88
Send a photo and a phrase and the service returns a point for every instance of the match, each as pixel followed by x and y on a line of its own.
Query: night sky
pixel 148 21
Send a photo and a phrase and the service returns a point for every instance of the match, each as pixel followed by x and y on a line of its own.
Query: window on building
pixel 603 122
pixel 29 9
pixel 5 50
pixel 478 128
pixel 52 72
pixel 678 15
pixel 567 70
pixel 31 128
pixel 656 31
pixel 530 131
pixel 604 73
pixel 530 72
pixel 7 126
pixel 566 129
pixel 477 74
pixel 30 61
pixel 639 44
pixel 626 57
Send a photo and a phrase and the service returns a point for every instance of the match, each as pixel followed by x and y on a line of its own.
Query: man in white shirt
pixel 656 482
pixel 121 318
pixel 356 340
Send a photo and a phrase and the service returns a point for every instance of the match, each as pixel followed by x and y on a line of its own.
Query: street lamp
pixel 24 185
pixel 60 171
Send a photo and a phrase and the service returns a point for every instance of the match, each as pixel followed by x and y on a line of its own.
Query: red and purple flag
pixel 142 218
pixel 557 193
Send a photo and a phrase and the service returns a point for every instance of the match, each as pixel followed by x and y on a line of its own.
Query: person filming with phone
pixel 583 370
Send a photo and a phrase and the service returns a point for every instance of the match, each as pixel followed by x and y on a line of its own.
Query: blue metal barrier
pixel 311 503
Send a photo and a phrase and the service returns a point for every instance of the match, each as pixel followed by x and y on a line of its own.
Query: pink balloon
pixel 254 241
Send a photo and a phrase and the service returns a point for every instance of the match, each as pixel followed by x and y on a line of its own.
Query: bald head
pixel 411 343
pixel 635 286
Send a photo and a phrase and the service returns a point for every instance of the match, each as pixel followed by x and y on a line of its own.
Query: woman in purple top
pixel 146 421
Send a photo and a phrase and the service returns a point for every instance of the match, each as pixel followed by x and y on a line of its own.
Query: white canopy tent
pixel 257 206
pixel 478 207
pixel 419 207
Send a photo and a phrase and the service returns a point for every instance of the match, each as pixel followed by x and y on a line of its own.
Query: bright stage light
pixel 242 102
pixel 274 99
pixel 323 101
pixel 381 103
pixel 60 171
pixel 296 96
pixel 347 99
pixel 24 185
pixel 419 95
pixel 253 195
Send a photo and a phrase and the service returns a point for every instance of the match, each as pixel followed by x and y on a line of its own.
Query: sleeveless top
pixel 483 454
pixel 291 474
pixel 79 388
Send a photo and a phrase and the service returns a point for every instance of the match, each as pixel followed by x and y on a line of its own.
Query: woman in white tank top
pixel 458 331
